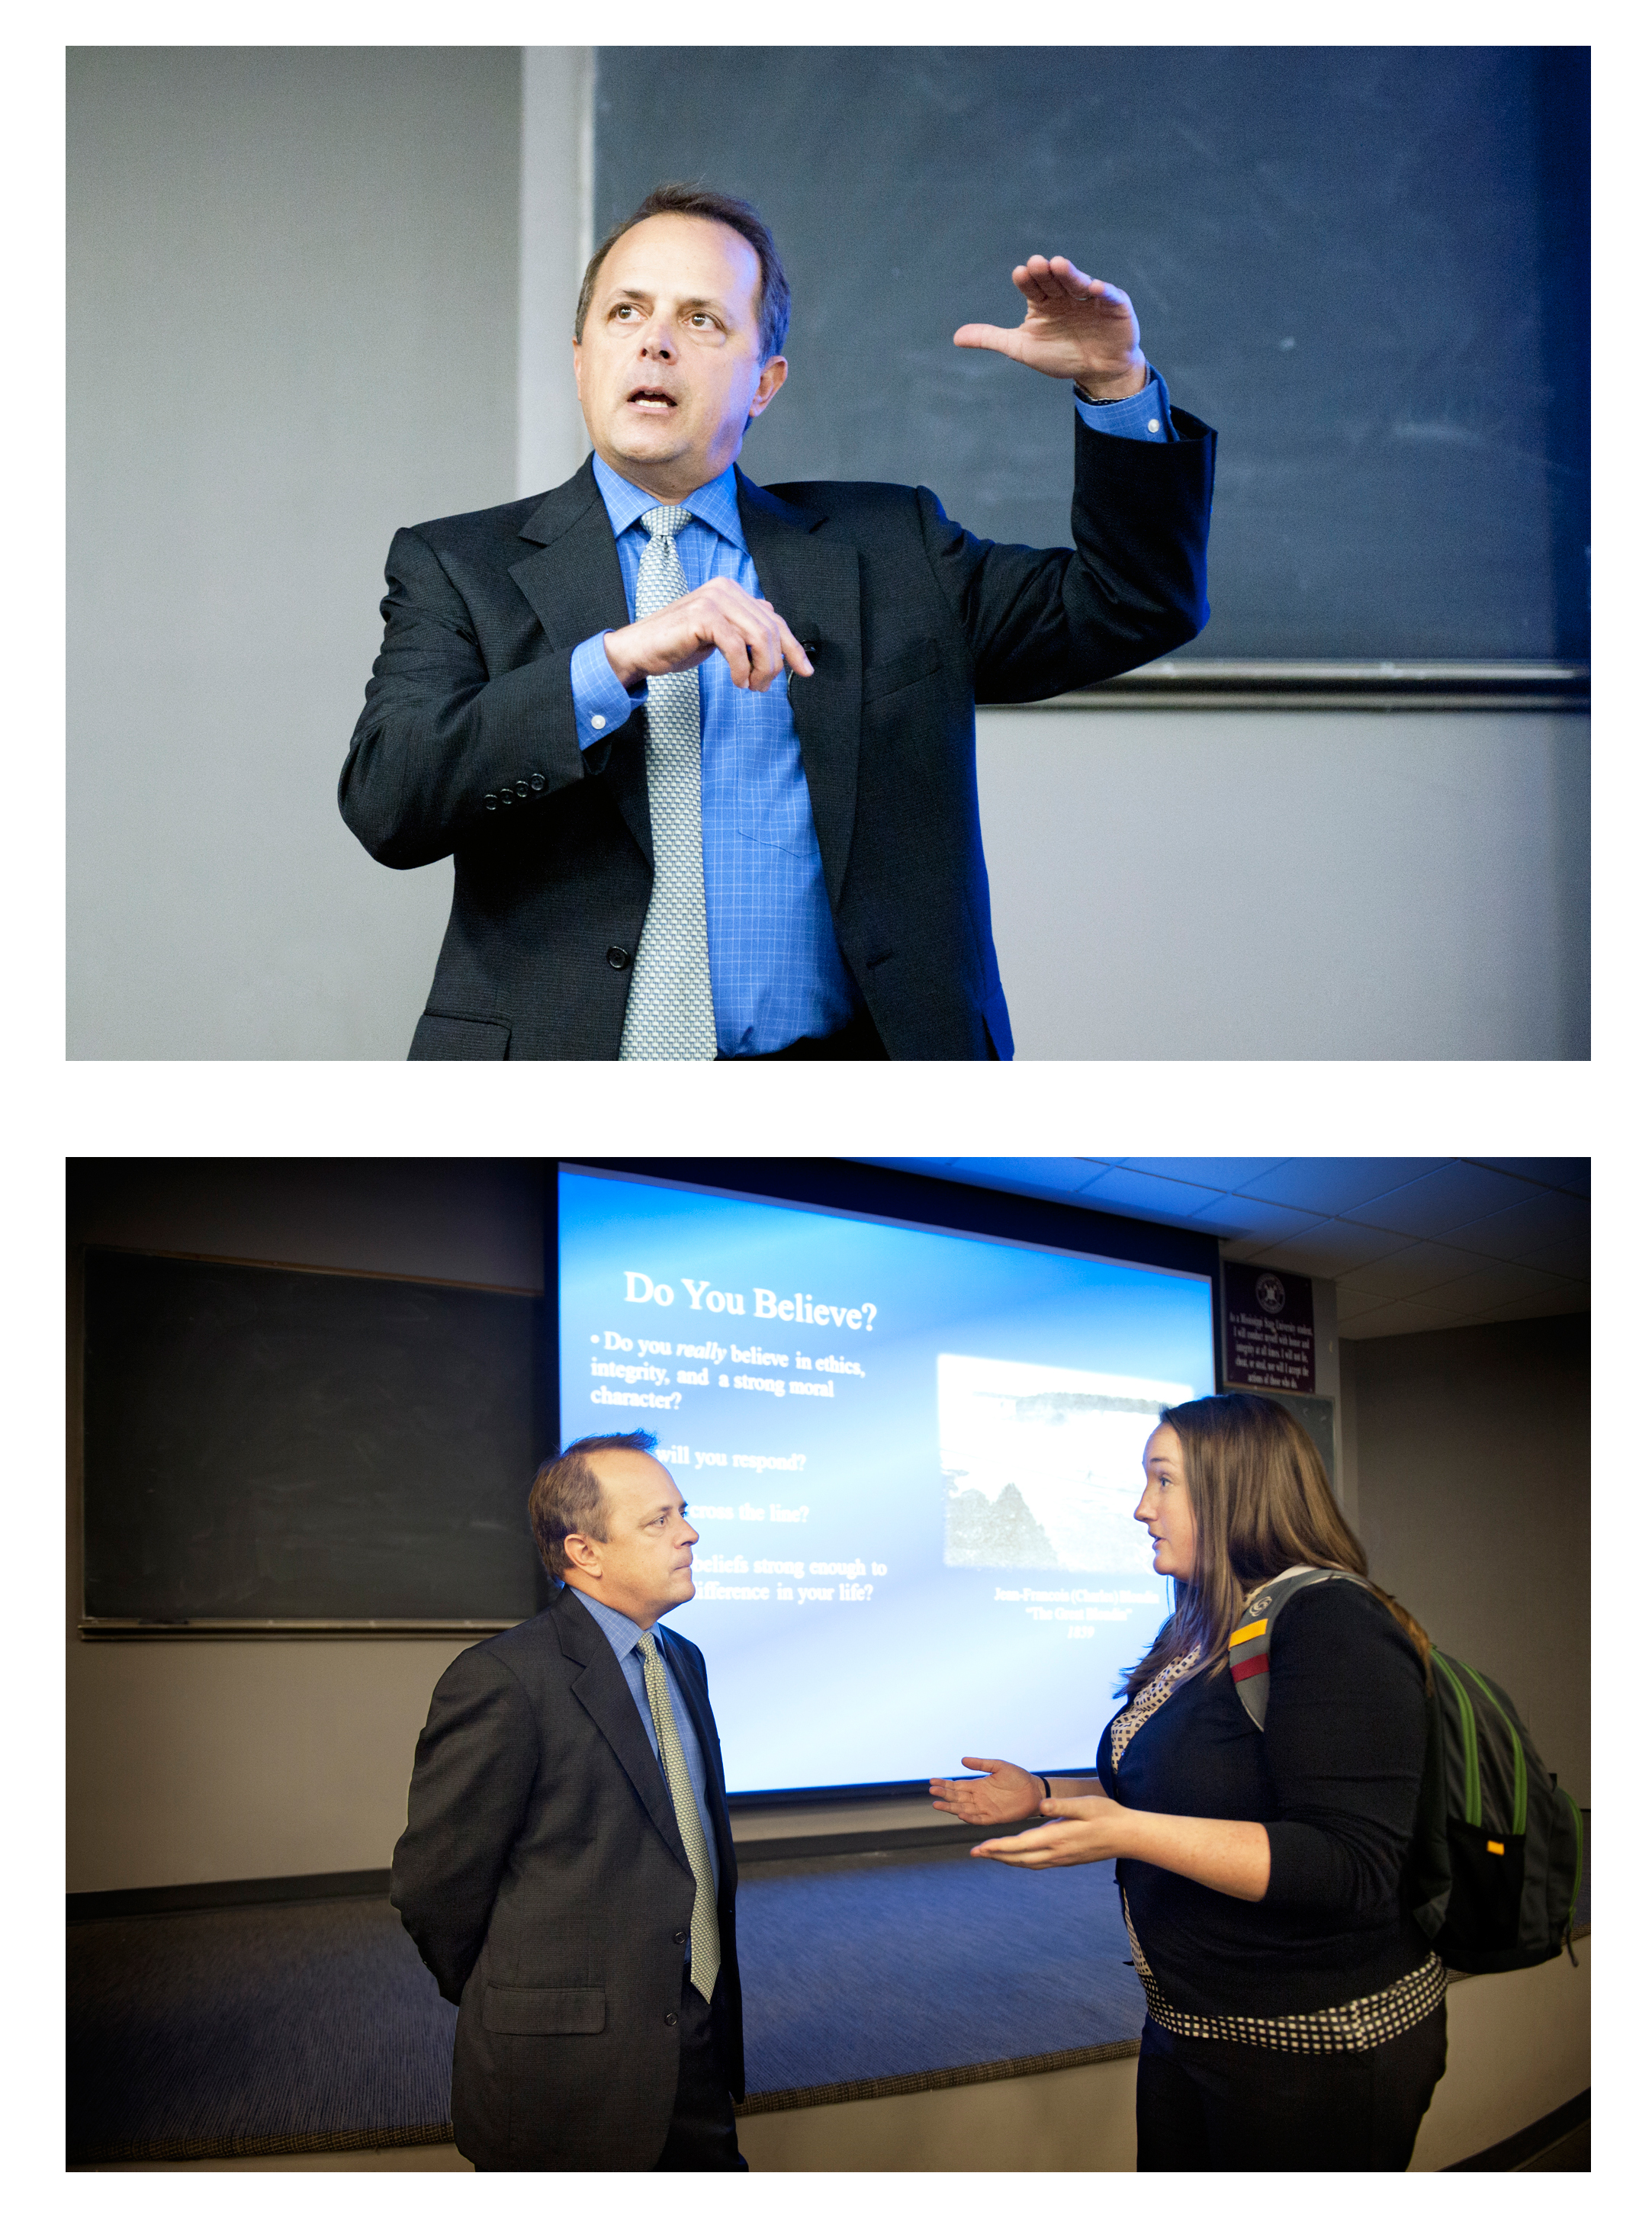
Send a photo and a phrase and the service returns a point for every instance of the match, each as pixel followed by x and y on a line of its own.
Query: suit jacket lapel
pixel 574 583
pixel 603 1694
pixel 814 585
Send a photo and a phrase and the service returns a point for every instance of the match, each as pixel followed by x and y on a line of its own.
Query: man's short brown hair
pixel 566 1499
pixel 675 199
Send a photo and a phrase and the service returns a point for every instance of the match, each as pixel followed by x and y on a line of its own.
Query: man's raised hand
pixel 748 632
pixel 1076 328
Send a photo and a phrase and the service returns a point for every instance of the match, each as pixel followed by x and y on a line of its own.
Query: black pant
pixel 1207 2105
pixel 700 2137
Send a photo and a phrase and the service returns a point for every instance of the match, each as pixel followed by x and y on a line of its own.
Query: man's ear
pixel 770 381
pixel 584 1552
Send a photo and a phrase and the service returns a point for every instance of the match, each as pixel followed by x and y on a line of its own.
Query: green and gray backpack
pixel 1496 1855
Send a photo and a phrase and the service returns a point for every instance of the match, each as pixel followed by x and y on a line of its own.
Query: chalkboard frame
pixel 94 1627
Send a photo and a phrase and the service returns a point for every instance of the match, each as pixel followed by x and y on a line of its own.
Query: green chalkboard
pixel 1367 266
pixel 267 1444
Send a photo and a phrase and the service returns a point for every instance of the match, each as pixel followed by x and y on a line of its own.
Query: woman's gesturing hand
pixel 1003 1793
pixel 1088 1830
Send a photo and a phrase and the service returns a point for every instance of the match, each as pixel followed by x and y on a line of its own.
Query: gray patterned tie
pixel 668 1017
pixel 705 1945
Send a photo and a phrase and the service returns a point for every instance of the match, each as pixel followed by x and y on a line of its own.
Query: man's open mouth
pixel 655 398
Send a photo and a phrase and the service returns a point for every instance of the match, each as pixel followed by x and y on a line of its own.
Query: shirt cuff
pixel 1142 418
pixel 601 701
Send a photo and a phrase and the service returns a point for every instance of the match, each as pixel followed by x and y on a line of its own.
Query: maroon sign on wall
pixel 1269 1328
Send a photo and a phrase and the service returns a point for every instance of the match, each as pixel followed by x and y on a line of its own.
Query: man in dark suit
pixel 567 1870
pixel 703 753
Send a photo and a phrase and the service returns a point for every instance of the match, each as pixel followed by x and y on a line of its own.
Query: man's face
pixel 645 1567
pixel 670 364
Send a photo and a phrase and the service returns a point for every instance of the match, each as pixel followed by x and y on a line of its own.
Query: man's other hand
pixel 1076 329
pixel 748 632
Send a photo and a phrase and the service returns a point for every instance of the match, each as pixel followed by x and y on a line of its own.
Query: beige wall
pixel 192 1762
pixel 1472 1455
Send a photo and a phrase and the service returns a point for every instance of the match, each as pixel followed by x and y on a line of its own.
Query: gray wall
pixel 315 294
pixel 292 286
pixel 1176 885
pixel 1472 1452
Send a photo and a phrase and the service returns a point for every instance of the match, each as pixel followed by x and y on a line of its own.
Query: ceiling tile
pixel 1423 1265
pixel 1223 1172
pixel 1144 1196
pixel 1410 1314
pixel 1569 1173
pixel 1550 1230
pixel 1330 1248
pixel 1252 1225
pixel 1444 1199
pixel 1333 1183
pixel 1494 1287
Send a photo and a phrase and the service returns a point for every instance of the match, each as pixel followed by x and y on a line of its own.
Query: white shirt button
pixel 599 721
pixel 1153 426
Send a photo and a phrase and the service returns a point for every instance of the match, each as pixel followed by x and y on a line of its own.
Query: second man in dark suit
pixel 567 1871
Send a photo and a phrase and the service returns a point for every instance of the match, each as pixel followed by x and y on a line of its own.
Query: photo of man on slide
pixel 703 753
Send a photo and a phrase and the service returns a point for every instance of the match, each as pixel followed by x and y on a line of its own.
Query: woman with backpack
pixel 1296 2012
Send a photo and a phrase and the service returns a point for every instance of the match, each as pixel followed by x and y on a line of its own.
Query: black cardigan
pixel 1333 1779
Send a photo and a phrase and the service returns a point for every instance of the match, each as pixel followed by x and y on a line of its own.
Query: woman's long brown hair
pixel 1261 1503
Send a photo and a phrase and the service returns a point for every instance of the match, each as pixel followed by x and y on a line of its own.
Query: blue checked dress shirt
pixel 621 1633
pixel 776 972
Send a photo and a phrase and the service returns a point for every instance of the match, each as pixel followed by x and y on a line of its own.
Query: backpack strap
pixel 1250 1645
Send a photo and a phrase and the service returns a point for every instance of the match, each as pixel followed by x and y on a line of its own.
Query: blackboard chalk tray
pixel 1384 686
pixel 131 1632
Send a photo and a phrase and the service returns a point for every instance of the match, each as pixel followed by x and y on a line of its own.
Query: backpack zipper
pixel 1518 1828
pixel 1471 1746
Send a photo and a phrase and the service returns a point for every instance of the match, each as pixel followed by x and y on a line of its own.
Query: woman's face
pixel 1165 1506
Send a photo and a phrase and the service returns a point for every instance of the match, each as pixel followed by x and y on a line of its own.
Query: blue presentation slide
pixel 912 1456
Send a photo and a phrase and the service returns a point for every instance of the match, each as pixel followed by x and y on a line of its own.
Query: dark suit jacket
pixel 545 1882
pixel 466 743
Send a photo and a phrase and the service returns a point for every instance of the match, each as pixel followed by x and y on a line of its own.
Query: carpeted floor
pixel 852 1974
pixel 256 2031
pixel 246 2031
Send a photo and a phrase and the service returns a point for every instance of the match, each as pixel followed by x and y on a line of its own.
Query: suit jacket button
pixel 536 783
pixel 521 788
pixel 670 2017
pixel 678 1938
pixel 490 802
pixel 618 958
pixel 506 796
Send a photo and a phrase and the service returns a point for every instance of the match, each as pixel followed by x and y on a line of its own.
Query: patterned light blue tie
pixel 705 1942
pixel 668 1017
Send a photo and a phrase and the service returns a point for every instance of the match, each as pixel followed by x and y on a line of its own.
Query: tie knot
pixel 667 519
pixel 647 1645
